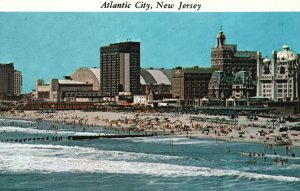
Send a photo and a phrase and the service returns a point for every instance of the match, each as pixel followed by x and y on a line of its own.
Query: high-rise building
pixel 7 79
pixel 17 83
pixel 278 78
pixel 120 68
pixel 227 58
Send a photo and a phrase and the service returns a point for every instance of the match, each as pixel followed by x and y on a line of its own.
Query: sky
pixel 53 45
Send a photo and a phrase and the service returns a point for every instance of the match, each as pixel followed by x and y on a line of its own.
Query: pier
pixel 34 139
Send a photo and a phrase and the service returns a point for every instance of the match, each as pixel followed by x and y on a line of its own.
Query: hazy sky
pixel 48 45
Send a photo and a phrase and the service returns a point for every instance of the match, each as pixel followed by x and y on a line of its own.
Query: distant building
pixel 243 85
pixel 156 83
pixel 7 79
pixel 226 58
pixel 219 85
pixel 17 83
pixel 140 100
pixel 88 75
pixel 190 83
pixel 278 79
pixel 64 90
pixel 120 68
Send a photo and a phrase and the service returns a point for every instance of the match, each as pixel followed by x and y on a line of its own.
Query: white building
pixel 140 100
pixel 278 79
pixel 64 90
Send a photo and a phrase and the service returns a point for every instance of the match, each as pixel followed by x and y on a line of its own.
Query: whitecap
pixel 35 130
pixel 50 158
pixel 176 141
pixel 32 130
pixel 18 120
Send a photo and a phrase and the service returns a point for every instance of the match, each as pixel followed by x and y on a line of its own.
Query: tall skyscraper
pixel 120 68
pixel 7 79
pixel 17 83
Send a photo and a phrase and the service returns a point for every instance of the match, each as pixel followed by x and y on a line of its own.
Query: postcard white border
pixel 94 6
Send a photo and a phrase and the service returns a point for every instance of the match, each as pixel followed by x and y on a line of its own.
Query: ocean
pixel 145 163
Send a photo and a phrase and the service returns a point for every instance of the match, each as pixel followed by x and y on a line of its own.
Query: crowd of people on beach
pixel 240 128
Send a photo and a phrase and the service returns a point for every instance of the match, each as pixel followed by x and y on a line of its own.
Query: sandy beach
pixel 240 129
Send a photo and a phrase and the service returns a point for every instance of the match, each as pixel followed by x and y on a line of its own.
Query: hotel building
pixel 227 58
pixel 120 68
pixel 190 83
pixel 7 79
pixel 278 77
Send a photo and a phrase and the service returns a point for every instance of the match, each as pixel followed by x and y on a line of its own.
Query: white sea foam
pixel 159 139
pixel 283 157
pixel 17 120
pixel 76 152
pixel 176 141
pixel 197 141
pixel 50 158
pixel 34 130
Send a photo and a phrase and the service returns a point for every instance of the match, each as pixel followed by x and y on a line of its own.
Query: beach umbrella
pixel 261 131
pixel 241 133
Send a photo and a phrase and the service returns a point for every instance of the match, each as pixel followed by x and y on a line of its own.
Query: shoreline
pixel 182 125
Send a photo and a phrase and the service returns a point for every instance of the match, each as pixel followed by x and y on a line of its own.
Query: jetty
pixel 109 136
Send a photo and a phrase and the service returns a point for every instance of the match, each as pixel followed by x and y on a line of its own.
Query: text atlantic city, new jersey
pixel 147 6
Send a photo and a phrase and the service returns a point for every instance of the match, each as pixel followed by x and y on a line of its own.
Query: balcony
pixel 281 77
pixel 266 77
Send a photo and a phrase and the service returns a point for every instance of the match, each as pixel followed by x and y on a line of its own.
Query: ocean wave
pixel 72 159
pixel 283 157
pixel 18 120
pixel 176 141
pixel 76 152
pixel 33 130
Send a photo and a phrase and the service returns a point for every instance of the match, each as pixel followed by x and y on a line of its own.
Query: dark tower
pixel 7 73
pixel 226 57
pixel 120 68
pixel 221 39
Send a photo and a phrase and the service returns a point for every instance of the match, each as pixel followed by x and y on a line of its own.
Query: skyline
pixel 58 43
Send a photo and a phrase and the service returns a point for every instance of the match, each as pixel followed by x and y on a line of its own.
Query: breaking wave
pixel 16 157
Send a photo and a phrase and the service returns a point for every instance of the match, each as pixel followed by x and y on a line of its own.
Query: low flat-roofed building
pixel 65 90
pixel 140 100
